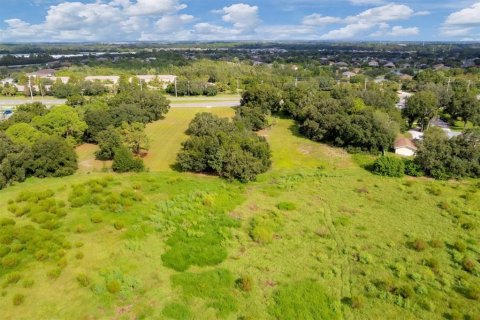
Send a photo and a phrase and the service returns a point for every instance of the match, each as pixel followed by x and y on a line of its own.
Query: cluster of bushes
pixel 395 167
pixel 225 148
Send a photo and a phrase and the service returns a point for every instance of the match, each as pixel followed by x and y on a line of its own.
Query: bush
pixel 286 206
pixel 435 243
pixel 473 293
pixel 119 225
pixel 96 218
pixel 124 161
pixel 468 264
pixel 18 299
pixel 83 280
pixel 357 302
pixel 412 169
pixel 79 255
pixel 10 261
pixel 114 286
pixel 54 273
pixel 460 246
pixel 389 167
pixel 244 283
pixel 261 234
pixel 420 245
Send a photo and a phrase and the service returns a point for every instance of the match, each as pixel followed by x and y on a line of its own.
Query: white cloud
pixel 371 19
pixel 242 16
pixel 396 31
pixel 463 23
pixel 466 17
pixel 319 20
pixel 77 21
pixel 173 22
pixel 366 2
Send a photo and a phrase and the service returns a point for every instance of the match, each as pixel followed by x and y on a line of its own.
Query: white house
pixel 111 79
pixel 405 147
pixel 349 74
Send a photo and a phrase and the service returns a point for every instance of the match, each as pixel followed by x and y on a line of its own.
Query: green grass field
pixel 317 237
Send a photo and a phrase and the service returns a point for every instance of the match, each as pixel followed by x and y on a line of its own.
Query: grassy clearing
pixel 317 237
pixel 166 136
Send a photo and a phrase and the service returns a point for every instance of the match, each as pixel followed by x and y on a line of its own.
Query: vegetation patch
pixel 216 287
pixel 304 300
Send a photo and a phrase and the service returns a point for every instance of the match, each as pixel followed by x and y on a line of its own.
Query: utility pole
pixel 469 83
pixel 448 85
pixel 176 92
pixel 188 87
pixel 296 82
pixel 238 86
pixel 30 86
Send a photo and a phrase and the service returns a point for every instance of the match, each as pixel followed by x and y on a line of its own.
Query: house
pixel 107 79
pixel 349 74
pixel 373 64
pixel 416 135
pixel 7 81
pixel 44 73
pixel 405 147
pixel 64 80
pixel 389 65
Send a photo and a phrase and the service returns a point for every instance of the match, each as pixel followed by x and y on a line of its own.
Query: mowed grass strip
pixel 166 136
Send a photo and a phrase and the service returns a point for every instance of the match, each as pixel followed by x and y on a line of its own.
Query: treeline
pixel 353 119
pixel 368 121
pixel 11 60
pixel 40 142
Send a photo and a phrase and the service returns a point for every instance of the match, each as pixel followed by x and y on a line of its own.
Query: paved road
pixel 176 104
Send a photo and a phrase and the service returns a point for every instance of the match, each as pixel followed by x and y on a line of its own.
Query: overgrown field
pixel 318 237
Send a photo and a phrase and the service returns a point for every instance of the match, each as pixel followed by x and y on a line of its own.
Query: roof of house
pixel 42 73
pixel 404 143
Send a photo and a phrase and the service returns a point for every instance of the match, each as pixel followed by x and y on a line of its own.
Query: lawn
pixel 317 237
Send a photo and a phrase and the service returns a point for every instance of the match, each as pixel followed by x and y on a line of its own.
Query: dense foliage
pixel 445 158
pixel 225 148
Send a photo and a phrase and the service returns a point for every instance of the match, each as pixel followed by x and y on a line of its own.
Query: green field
pixel 317 237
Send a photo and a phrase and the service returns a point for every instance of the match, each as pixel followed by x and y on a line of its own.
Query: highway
pixel 214 103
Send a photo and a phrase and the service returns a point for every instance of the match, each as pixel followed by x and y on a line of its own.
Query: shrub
pixel 261 234
pixel 286 206
pixel 79 255
pixel 468 264
pixel 124 161
pixel 96 218
pixel 460 246
pixel 13 278
pixel 435 243
pixel 114 286
pixel 244 283
pixel 119 225
pixel 28 283
pixel 54 273
pixel 357 302
pixel 18 299
pixel 177 311
pixel 389 167
pixel 420 245
pixel 83 280
pixel 11 260
pixel 405 291
pixel 473 293
pixel 304 300
pixel 412 169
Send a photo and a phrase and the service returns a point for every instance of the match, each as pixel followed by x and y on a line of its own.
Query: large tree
pixel 422 107
pixel 464 105
pixel 53 157
pixel 62 121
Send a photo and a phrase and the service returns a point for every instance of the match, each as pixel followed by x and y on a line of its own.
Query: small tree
pixel 124 161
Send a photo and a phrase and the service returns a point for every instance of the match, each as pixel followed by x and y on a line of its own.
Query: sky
pixel 221 20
